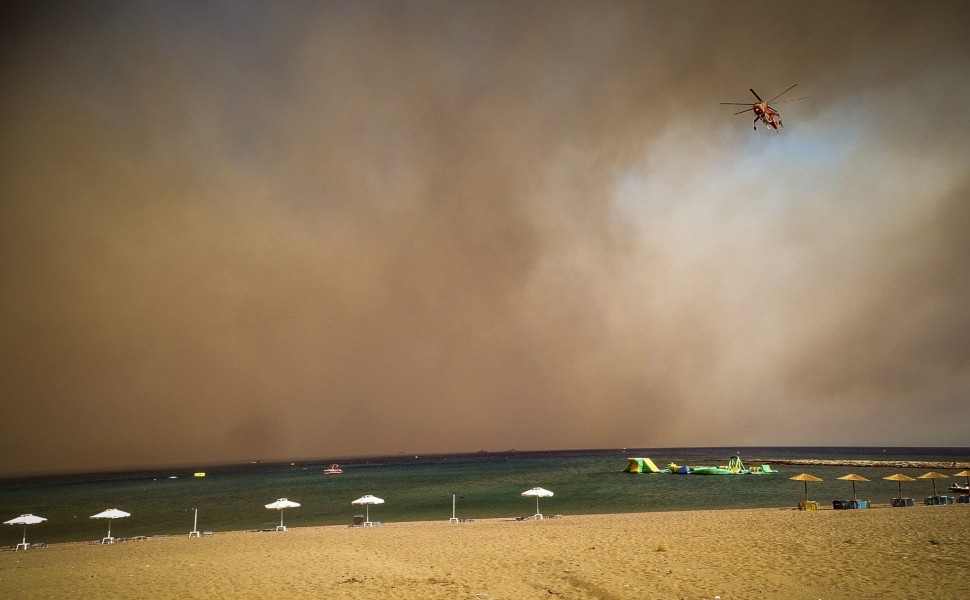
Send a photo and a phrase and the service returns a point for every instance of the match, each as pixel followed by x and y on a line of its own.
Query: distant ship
pixel 333 469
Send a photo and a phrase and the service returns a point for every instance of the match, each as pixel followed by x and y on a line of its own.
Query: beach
pixel 916 552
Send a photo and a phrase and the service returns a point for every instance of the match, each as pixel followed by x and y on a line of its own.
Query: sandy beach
pixel 918 552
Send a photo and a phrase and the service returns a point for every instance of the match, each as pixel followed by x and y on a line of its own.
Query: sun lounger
pixel 900 502
pixel 207 534
pixel 938 500
pixel 963 499
pixel 358 521
pixel 808 505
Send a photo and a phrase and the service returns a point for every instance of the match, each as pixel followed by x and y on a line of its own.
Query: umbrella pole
pixel 806 491
pixel 367 511
pixel 900 488
pixel 853 490
pixel 537 505
pixel 25 536
pixel 281 517
pixel 109 529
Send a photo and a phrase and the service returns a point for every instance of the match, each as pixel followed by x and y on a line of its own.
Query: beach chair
pixel 358 521
pixel 808 505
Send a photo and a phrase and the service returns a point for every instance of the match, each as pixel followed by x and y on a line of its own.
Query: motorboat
pixel 960 489
pixel 333 469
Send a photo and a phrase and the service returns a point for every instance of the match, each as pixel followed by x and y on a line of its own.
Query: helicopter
pixel 762 110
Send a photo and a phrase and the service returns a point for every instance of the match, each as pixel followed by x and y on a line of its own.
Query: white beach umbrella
pixel 110 514
pixel 25 520
pixel 538 492
pixel 367 501
pixel 280 505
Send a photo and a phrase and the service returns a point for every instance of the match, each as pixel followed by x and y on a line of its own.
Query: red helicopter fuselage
pixel 768 115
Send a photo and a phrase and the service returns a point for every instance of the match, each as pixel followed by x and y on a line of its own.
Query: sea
pixel 425 488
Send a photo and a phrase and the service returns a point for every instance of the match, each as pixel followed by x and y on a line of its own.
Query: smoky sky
pixel 245 230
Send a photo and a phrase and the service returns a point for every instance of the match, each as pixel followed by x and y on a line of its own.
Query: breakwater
pixel 899 464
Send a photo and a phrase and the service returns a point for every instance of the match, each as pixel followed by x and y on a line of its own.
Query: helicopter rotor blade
pixel 780 95
pixel 794 100
pixel 744 111
pixel 739 103
pixel 755 95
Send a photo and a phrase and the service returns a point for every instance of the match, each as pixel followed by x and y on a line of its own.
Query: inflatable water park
pixel 734 467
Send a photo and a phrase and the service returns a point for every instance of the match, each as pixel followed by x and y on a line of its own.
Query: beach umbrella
pixel 806 478
pixel 25 520
pixel 367 501
pixel 933 475
pixel 853 478
pixel 537 492
pixel 280 505
pixel 900 478
pixel 111 514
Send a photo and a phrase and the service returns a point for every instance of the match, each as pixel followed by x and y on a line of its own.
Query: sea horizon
pixel 891 452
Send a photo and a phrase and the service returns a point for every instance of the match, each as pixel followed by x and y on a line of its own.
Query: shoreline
pixel 432 523
pixel 921 551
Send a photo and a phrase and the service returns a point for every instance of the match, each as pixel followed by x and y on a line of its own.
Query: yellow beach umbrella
pixel 806 478
pixel 853 478
pixel 899 478
pixel 933 475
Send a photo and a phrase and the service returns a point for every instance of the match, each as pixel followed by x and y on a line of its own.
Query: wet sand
pixel 915 552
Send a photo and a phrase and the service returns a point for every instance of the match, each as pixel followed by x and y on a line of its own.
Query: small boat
pixel 333 469
pixel 960 489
